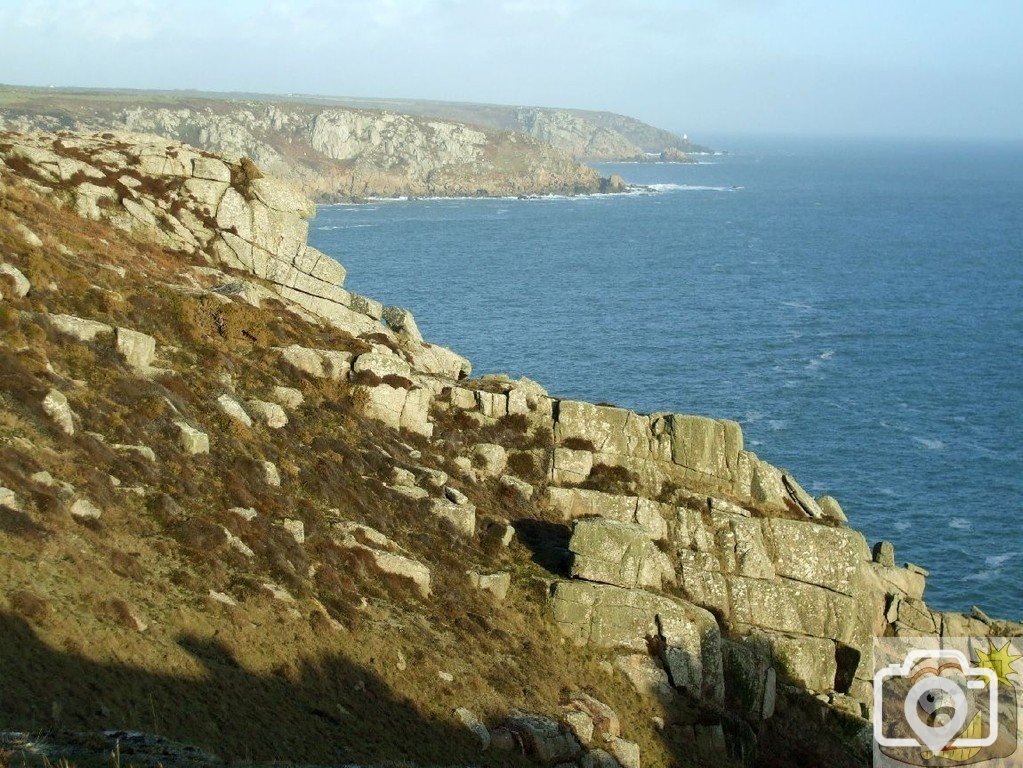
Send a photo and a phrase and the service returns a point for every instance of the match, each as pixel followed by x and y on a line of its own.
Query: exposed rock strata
pixel 702 573
pixel 336 154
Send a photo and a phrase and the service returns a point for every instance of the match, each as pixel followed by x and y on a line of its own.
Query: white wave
pixel 930 443
pixel 797 305
pixel 982 575
pixel 959 523
pixel 344 226
pixel 690 188
pixel 827 354
pixel 997 561
pixel 902 525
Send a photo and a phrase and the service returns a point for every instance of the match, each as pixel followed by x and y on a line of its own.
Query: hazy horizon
pixel 911 70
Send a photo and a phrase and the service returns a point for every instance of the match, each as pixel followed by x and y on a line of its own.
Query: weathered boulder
pixel 271 414
pixel 55 405
pixel 137 349
pixel 519 488
pixel 582 502
pixel 648 678
pixel 84 509
pixel 10 500
pixel 604 719
pixel 271 475
pixel 231 407
pixel 571 467
pixel 545 740
pixel 490 458
pixel 617 553
pixel 884 554
pixel 816 554
pixel 192 441
pixel 625 752
pixel 318 363
pixel 741 546
pixel 606 616
pixel 692 652
pixel 831 509
pixel 288 397
pixel 473 724
pixel 296 528
pixel 385 554
pixel 144 451
pixel 77 327
pixel 367 306
pixel 791 607
pixel 461 516
pixel 211 168
pixel 403 323
pixel 808 662
pixel 497 584
pixel 705 446
pixel 21 283
pixel 381 365
pixel 397 407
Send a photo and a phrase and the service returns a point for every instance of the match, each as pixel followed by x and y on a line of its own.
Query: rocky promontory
pixel 336 149
pixel 336 154
pixel 246 514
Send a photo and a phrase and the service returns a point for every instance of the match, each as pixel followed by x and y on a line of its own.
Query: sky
pixel 934 68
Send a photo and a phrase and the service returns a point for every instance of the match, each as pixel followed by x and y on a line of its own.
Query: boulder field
pixel 725 614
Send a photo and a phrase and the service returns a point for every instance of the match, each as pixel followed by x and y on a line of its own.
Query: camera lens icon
pixel 943 691
pixel 936 710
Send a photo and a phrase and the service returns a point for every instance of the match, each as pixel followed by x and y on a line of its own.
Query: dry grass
pixel 265 679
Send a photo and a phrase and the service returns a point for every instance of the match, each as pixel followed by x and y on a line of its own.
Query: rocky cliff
pixel 333 154
pixel 247 510
pixel 585 134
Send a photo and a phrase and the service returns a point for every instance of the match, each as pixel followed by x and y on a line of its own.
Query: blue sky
pixel 860 67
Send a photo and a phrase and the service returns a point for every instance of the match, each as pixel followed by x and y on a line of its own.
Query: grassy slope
pixel 265 680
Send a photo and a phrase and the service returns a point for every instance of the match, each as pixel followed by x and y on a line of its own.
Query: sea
pixel 857 305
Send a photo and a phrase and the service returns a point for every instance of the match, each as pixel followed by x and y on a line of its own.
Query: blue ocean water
pixel 856 305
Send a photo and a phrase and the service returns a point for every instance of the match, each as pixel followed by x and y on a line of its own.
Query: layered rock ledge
pixel 703 576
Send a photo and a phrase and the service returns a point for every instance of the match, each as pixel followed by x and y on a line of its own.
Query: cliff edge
pixel 246 510
pixel 330 154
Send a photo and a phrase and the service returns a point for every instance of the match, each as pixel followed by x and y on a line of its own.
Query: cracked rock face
pixel 338 154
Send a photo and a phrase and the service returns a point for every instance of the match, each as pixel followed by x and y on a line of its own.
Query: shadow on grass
pixel 326 712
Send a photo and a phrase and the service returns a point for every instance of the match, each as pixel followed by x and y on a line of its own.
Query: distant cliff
pixel 331 154
pixel 584 134
pixel 338 149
